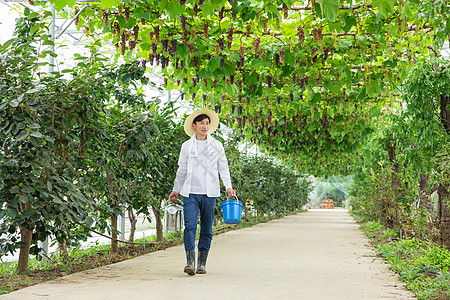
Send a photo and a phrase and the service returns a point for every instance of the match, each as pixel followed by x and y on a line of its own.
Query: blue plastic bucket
pixel 231 211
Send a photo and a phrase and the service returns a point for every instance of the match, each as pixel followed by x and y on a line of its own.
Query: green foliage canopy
pixel 303 79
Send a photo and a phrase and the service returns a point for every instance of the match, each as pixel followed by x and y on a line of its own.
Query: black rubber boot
pixel 190 267
pixel 201 262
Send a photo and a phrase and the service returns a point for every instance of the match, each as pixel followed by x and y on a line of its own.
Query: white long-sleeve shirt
pixel 195 167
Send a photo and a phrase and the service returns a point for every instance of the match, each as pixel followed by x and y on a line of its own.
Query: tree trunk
pixel 424 195
pixel 63 253
pixel 443 191
pixel 445 112
pixel 159 225
pixel 26 234
pixel 393 221
pixel 114 242
pixel 444 215
pixel 133 221
pixel 246 212
pixel 62 248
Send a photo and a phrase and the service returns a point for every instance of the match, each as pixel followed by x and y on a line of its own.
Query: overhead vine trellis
pixel 303 79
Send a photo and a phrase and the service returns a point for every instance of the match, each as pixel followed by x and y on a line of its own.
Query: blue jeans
pixel 192 205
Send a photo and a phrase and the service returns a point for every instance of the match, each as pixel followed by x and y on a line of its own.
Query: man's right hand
pixel 173 196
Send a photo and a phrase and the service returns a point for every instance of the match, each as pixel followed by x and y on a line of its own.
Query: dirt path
pixel 320 254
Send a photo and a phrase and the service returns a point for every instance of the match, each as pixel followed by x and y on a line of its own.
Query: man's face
pixel 201 128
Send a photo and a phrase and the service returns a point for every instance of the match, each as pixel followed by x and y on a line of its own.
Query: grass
pixel 422 265
pixel 95 256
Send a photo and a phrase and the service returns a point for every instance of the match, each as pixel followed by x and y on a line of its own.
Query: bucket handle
pixel 235 196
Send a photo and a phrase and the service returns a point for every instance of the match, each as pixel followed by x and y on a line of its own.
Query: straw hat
pixel 212 125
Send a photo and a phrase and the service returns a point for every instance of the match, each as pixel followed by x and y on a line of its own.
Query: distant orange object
pixel 327 204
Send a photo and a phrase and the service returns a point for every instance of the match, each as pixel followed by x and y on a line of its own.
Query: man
pixel 202 159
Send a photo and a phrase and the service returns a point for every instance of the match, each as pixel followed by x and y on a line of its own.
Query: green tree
pixel 37 189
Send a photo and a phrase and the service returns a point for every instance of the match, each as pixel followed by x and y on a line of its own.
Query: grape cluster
pixel 220 42
pixel 173 47
pixel 156 30
pixel 256 43
pixel 277 59
pixel 76 19
pixel 195 61
pixel 230 36
pixel 183 27
pixel 116 29
pixel 317 34
pixel 136 32
pixel 205 30
pixel 300 34
pixel 123 45
pixel 166 61
pixel 127 14
pixel 269 81
pixel 105 18
pixel 282 53
pixel 150 58
pixel 132 44
pixel 248 30
pixel 165 44
pixel 302 82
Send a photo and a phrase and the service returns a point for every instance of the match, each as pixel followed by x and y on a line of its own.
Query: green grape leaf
pixel 60 4
pixel 385 7
pixel 109 3
pixel 349 23
pixel 330 9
